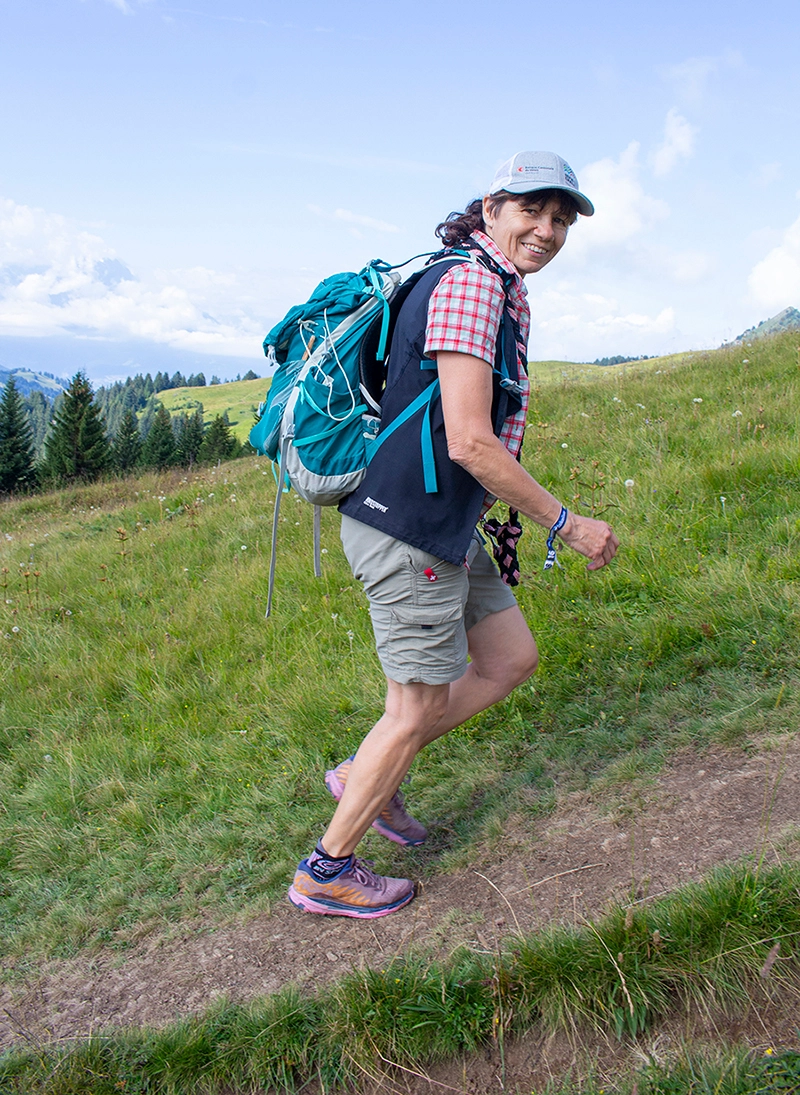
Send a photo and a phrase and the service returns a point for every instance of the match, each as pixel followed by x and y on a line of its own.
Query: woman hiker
pixel 436 598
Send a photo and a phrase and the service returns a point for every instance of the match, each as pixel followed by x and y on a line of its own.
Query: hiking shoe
pixel 393 821
pixel 355 891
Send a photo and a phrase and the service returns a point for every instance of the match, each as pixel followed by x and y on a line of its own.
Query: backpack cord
pixel 350 392
pixel 317 542
pixel 275 518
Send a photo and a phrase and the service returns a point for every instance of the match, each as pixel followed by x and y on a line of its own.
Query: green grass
pixel 703 947
pixel 236 399
pixel 162 746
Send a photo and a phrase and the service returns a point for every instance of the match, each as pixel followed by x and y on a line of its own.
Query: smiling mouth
pixel 536 250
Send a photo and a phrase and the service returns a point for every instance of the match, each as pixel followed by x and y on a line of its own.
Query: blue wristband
pixel 552 558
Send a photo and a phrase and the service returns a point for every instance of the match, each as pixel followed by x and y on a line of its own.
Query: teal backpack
pixel 320 419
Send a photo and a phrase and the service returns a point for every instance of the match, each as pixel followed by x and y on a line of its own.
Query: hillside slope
pixel 162 746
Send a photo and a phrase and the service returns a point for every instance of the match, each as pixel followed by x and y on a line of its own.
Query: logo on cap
pixel 569 175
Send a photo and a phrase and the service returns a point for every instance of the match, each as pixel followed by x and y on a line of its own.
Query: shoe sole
pixel 336 788
pixel 333 908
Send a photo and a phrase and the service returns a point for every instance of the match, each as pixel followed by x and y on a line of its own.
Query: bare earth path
pixel 700 812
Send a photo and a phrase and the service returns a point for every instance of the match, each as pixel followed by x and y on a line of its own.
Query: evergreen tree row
pixel 78 445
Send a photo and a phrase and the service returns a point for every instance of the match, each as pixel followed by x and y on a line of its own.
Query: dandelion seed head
pixel 629 483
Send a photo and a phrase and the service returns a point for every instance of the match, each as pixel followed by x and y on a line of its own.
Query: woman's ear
pixel 487 211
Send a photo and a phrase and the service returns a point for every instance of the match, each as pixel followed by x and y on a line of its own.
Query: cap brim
pixel 584 205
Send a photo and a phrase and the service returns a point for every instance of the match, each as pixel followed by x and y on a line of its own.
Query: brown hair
pixel 456 228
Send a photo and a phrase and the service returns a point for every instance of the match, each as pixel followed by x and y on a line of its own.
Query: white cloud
pixel 56 278
pixel 120 5
pixel 687 266
pixel 768 173
pixel 569 324
pixel 623 210
pixel 775 281
pixel 356 219
pixel 691 77
pixel 678 143
pixel 365 222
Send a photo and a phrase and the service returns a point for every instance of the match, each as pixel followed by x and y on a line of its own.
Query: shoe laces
pixel 362 869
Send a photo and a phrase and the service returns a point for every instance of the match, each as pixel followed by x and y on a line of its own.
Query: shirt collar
pixel 494 252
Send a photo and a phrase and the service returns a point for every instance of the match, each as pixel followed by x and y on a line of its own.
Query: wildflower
pixel 640 406
pixel 324 551
pixel 746 361
pixel 736 414
pixel 243 547
pixel 47 757
pixel 15 630
pixel 615 400
pixel 629 483
pixel 697 399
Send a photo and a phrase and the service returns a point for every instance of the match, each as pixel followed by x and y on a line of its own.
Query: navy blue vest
pixel 392 495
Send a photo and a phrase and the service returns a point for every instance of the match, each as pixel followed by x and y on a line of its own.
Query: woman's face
pixel 528 233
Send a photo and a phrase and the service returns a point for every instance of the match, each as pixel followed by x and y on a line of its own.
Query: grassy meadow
pixel 236 399
pixel 162 745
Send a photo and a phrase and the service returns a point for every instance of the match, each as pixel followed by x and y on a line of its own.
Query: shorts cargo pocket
pixel 427 642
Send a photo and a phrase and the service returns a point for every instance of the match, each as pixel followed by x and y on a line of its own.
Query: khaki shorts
pixel 421 625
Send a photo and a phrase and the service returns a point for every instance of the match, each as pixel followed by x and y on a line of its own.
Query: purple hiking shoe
pixel 355 891
pixel 393 821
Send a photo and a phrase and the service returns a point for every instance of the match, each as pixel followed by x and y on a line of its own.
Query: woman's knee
pixel 522 664
pixel 416 705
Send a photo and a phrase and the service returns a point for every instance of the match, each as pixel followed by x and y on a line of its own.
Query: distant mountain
pixel 787 320
pixel 106 360
pixel 28 381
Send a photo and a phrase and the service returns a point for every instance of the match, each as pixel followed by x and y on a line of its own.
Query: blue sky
pixel 181 173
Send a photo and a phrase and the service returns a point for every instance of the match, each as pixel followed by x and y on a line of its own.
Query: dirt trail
pixel 701 811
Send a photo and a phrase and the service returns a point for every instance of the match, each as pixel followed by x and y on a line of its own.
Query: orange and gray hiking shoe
pixel 354 891
pixel 393 821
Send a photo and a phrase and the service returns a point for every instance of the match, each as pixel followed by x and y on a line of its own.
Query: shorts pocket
pixel 426 617
pixel 427 642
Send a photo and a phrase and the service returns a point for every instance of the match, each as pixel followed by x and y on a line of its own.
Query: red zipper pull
pixel 431 574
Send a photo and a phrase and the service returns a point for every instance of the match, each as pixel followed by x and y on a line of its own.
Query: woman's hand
pixel 592 538
pixel 466 385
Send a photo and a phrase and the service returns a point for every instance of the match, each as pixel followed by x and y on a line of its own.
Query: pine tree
pixel 219 443
pixel 127 443
pixel 77 446
pixel 191 431
pixel 16 442
pixel 158 450
pixel 40 411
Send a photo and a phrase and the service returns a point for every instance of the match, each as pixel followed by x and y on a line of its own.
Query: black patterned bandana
pixel 504 539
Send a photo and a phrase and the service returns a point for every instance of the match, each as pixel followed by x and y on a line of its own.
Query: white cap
pixel 529 171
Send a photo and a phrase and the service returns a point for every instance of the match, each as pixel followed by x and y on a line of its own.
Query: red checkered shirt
pixel 464 315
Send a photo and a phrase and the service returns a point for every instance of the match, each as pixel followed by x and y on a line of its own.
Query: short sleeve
pixel 464 312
